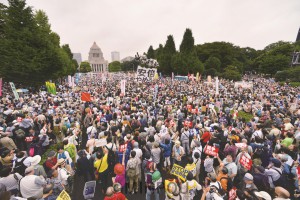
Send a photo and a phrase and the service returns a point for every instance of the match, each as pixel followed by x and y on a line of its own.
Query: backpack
pixel 283 181
pixel 229 183
pixel 20 134
pixel 131 172
pixel 112 157
pixel 20 167
pixel 221 191
pixel 71 151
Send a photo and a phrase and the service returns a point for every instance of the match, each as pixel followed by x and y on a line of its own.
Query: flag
pixel 85 96
pixel 51 88
pixel 189 74
pixel 172 76
pixel 156 76
pixel 197 76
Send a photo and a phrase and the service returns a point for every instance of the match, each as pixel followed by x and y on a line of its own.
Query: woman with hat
pixel 64 174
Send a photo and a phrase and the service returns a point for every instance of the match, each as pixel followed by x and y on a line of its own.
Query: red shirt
pixel 51 163
pixel 205 136
pixel 120 196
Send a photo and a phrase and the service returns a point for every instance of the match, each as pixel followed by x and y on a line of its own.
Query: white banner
pixel 123 86
pixel 13 88
pixel 242 84
pixel 145 74
pixel 70 81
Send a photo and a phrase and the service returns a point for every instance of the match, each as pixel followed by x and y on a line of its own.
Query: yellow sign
pixel 63 196
pixel 179 171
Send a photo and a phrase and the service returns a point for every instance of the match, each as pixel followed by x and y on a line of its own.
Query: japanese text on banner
pixel 246 162
pixel 145 74
pixel 179 171
pixel 211 150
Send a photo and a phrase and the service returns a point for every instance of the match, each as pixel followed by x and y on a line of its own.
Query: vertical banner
pixel 51 88
pixel 73 81
pixel 0 87
pixel 209 79
pixel 70 81
pixel 172 76
pixel 197 76
pixel 13 88
pixel 123 86
pixel 217 85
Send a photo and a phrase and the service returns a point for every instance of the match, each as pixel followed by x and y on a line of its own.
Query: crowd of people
pixel 166 138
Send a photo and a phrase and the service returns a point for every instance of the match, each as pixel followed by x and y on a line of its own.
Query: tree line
pixel 222 59
pixel 30 52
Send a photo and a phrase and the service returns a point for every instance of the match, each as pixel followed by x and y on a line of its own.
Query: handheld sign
pixel 89 190
pixel 246 162
pixel 179 171
pixel 211 150
pixel 63 196
pixel 232 194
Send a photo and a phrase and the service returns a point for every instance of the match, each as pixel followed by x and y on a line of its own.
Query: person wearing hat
pixel 64 174
pixel 51 162
pixel 38 169
pixel 281 194
pixel 260 179
pixel 32 186
pixel 247 188
pixel 262 195
pixel 7 141
pixel 274 171
pixel 117 192
pixel 177 152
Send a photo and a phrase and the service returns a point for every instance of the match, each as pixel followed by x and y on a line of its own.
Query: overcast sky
pixel 131 26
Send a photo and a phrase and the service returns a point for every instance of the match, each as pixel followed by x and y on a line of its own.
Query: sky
pixel 130 26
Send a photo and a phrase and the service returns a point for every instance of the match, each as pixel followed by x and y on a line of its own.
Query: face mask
pixel 248 185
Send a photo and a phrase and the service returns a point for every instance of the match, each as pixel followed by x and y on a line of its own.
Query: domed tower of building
pixel 96 59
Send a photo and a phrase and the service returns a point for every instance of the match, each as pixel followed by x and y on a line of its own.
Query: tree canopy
pixel 30 51
pixel 114 66
pixel 85 67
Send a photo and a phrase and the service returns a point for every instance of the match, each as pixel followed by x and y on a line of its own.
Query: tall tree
pixel 114 66
pixel 85 67
pixel 212 62
pixel 170 45
pixel 150 52
pixel 165 59
pixel 187 44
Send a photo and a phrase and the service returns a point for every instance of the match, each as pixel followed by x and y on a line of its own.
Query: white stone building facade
pixel 96 59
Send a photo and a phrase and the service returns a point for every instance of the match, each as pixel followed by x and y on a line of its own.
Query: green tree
pixel 187 44
pixel 114 66
pixel 150 52
pixel 129 65
pixel 165 59
pixel 85 67
pixel 28 47
pixel 231 73
pixel 273 63
pixel 212 63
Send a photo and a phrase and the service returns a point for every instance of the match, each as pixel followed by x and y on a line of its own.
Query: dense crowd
pixel 182 140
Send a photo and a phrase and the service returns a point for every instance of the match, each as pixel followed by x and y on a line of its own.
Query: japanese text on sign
pixel 211 150
pixel 145 74
pixel 246 162
pixel 179 171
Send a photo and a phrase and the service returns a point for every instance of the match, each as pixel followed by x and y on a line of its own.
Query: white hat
pixel 263 194
pixel 35 160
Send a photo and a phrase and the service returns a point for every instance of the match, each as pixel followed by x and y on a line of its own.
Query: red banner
pixel 188 123
pixel 232 194
pixel 246 162
pixel 211 150
pixel 85 96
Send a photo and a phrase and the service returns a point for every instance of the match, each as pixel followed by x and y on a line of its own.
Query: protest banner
pixel 243 85
pixel 13 88
pixel 211 150
pixel 123 86
pixel 246 162
pixel 145 74
pixel 85 96
pixel 241 145
pixel 100 142
pixel 51 88
pixel 232 194
pixel 63 196
pixel 179 171
pixel 89 190
pixel 209 79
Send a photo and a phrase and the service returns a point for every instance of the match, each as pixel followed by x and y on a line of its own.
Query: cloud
pixel 131 26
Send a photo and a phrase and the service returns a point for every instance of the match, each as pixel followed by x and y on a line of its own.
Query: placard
pixel 246 162
pixel 232 194
pixel 145 74
pixel 179 171
pixel 158 183
pixel 211 150
pixel 100 142
pixel 13 88
pixel 89 190
pixel 241 145
pixel 123 86
pixel 63 196
pixel 85 96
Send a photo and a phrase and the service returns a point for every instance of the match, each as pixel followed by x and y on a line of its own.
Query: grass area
pixel 51 148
